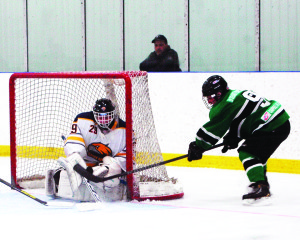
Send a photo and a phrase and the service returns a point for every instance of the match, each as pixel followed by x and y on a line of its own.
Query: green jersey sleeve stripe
pixel 207 137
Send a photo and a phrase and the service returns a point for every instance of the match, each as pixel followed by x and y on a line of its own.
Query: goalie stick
pixel 83 172
pixel 55 204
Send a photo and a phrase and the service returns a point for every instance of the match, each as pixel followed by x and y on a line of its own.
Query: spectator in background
pixel 163 59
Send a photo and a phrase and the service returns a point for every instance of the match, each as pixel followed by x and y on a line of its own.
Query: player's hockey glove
pixel 194 152
pixel 230 142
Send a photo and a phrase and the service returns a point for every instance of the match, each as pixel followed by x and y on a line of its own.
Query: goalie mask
pixel 104 113
pixel 213 89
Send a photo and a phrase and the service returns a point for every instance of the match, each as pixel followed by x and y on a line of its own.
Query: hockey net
pixel 44 105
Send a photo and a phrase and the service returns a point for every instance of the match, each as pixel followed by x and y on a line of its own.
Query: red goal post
pixel 43 106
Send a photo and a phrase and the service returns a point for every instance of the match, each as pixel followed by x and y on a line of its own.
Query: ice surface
pixel 210 209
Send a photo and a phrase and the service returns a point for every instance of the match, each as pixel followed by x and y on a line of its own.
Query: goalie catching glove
pixel 194 152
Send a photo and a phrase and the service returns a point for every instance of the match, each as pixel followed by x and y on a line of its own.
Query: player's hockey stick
pixel 83 172
pixel 53 204
pixel 91 190
pixel 88 206
pixel 80 206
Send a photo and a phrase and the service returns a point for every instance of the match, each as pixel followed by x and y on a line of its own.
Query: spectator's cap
pixel 161 38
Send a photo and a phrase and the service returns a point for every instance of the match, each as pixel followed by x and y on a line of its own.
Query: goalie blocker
pixel 66 183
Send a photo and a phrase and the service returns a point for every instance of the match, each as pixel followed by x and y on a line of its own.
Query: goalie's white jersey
pixel 92 144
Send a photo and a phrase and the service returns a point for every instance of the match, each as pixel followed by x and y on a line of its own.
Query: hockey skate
pixel 259 194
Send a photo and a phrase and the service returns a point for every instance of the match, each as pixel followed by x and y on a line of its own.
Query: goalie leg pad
pixel 64 186
pixel 64 189
pixel 75 179
pixel 106 194
pixel 71 186
pixel 111 183
pixel 110 194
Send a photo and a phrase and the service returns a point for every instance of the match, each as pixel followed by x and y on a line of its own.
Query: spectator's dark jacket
pixel 165 62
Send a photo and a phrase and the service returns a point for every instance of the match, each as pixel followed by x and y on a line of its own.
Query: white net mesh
pixel 45 108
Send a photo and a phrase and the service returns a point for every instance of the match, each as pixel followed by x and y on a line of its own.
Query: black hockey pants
pixel 264 144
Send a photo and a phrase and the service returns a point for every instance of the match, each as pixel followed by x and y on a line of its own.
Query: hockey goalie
pixel 97 142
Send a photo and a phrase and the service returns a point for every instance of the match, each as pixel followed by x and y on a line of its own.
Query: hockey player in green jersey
pixel 242 115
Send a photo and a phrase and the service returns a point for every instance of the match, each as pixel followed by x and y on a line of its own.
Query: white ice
pixel 210 209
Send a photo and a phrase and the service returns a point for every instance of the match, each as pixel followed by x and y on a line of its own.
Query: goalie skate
pixel 259 194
